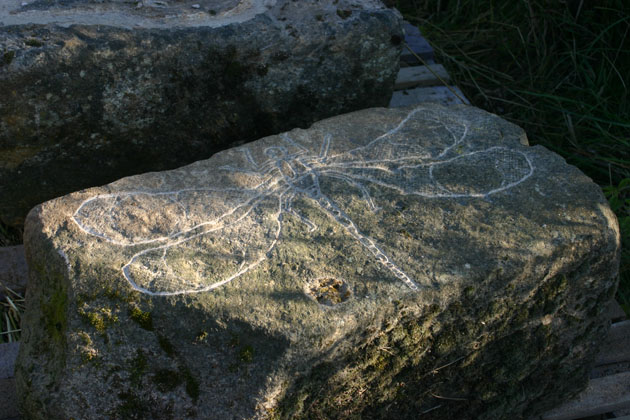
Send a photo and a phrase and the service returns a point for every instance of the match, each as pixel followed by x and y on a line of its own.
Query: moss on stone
pixel 136 406
pixel 85 337
pixel 167 380
pixel 549 295
pixel 89 355
pixel 99 319
pixel 55 317
pixel 201 336
pixel 192 383
pixel 131 406
pixel 117 294
pixel 95 320
pixel 166 345
pixel 8 57
pixel 246 355
pixel 144 319
pixel 137 367
pixel 504 354
pixel 343 13
pixel 32 42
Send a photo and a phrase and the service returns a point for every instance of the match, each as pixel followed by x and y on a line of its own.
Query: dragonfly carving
pixel 192 240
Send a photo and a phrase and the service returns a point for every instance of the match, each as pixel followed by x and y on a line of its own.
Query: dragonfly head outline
pixel 276 152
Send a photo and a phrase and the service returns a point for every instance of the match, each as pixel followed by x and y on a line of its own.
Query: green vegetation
pixel 166 380
pixel 556 68
pixel 246 355
pixel 137 367
pixel 166 345
pixel 201 337
pixel 100 319
pixel 144 319
pixel 32 42
pixel 11 307
pixel 192 384
pixel 54 311
pixel 8 57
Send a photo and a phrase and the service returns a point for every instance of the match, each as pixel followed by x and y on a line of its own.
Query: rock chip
pixel 94 90
pixel 378 265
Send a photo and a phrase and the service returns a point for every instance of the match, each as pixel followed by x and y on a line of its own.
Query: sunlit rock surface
pixel 94 90
pixel 377 265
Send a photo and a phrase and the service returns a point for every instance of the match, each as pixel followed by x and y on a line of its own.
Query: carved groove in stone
pixel 188 252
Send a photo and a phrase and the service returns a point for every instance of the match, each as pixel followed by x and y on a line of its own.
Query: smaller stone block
pixel 443 95
pixel 95 90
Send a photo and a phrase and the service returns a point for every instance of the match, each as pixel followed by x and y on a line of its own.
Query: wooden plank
pixel 602 395
pixel 13 268
pixel 616 348
pixel 430 75
pixel 417 43
pixel 436 94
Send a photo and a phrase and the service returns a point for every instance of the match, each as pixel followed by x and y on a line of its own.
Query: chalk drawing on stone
pixel 198 239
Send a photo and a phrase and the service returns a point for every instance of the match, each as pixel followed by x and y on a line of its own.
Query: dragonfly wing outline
pixel 143 217
pixel 211 258
pixel 449 178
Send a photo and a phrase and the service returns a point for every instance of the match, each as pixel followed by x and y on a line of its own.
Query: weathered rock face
pixel 378 265
pixel 94 90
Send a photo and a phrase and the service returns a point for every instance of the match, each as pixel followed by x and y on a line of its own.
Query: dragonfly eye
pixel 276 152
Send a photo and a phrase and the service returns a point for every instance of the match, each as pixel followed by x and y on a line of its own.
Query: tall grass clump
pixel 558 68
pixel 11 309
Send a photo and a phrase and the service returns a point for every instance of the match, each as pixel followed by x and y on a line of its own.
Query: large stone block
pixel 378 265
pixel 94 90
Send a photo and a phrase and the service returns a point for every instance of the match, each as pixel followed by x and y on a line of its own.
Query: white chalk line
pixel 286 175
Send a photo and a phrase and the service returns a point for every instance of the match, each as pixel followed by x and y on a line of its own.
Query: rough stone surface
pixel 94 90
pixel 378 265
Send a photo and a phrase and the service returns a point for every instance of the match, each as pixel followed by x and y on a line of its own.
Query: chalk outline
pixel 280 175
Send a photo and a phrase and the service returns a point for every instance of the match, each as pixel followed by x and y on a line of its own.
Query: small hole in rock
pixel 329 291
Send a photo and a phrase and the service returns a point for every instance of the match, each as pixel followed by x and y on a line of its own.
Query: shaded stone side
pixel 85 105
pixel 473 358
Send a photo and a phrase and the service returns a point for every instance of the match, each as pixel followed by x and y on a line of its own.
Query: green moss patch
pixel 137 367
pixel 144 319
pixel 100 319
pixel 166 345
pixel 167 380
pixel 54 312
pixel 8 57
pixel 192 384
pixel 136 406
pixel 32 42
pixel 246 355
